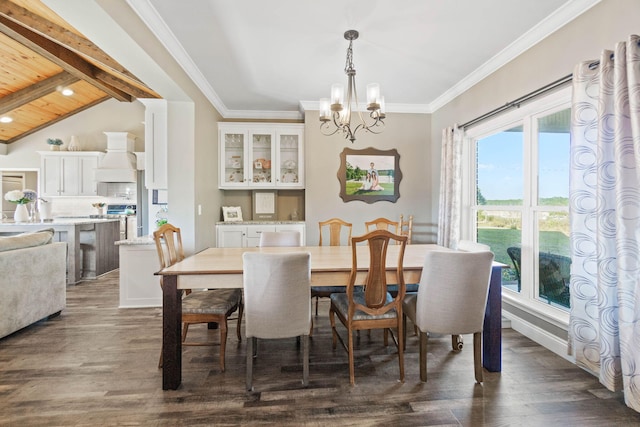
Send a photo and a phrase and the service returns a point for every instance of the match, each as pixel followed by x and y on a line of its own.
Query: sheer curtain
pixel 450 187
pixel 604 332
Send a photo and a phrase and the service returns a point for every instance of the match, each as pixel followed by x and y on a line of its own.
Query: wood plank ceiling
pixel 40 55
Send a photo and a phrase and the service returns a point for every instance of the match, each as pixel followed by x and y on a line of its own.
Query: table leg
pixel 492 334
pixel 171 342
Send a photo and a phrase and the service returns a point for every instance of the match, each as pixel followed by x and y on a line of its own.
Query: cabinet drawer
pixel 255 231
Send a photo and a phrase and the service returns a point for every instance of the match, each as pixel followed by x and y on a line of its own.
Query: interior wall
pixel 410 135
pixel 601 27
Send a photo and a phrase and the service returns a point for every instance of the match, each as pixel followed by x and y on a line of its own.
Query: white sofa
pixel 32 279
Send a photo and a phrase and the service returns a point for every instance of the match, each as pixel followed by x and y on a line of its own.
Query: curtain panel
pixel 604 330
pixel 450 201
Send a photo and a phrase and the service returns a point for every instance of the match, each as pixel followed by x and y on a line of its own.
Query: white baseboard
pixel 542 337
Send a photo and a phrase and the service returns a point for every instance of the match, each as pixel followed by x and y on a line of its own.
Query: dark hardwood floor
pixel 96 365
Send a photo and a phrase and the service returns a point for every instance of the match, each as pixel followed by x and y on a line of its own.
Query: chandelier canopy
pixel 335 113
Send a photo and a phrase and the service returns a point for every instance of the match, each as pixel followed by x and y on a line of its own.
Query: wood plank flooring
pixel 96 365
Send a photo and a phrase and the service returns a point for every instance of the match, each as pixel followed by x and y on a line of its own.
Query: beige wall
pixel 409 134
pixel 582 39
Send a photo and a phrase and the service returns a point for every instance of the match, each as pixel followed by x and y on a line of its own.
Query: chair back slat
pixel 335 226
pixel 376 280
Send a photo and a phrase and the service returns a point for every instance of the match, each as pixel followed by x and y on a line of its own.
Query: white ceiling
pixel 274 59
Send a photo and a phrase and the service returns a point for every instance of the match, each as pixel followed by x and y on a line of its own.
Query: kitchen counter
pixel 142 240
pixel 90 243
pixel 258 222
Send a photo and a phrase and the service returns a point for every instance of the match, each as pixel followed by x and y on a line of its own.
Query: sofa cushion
pixel 26 240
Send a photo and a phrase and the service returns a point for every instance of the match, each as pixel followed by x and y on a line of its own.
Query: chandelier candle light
pixel 338 112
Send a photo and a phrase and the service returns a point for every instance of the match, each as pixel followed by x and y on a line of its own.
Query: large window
pixel 517 190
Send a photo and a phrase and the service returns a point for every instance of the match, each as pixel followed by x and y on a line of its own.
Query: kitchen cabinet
pixel 68 173
pixel 248 235
pixel 155 143
pixel 261 155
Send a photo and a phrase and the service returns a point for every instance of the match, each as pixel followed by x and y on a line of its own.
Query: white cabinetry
pixel 155 143
pixel 248 236
pixel 261 155
pixel 68 173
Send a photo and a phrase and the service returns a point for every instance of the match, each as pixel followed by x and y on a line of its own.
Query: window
pixel 517 200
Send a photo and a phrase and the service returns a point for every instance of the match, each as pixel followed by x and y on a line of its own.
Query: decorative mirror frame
pixel 386 161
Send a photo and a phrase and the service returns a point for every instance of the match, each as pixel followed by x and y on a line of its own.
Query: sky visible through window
pixel 500 160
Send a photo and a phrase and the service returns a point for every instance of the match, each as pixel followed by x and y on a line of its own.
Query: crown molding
pixel 561 17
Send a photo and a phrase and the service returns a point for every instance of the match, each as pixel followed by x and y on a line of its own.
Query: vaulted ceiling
pixel 40 55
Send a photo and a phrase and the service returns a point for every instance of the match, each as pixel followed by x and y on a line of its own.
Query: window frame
pixel 530 211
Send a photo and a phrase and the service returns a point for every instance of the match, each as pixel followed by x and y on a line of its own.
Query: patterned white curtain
pixel 450 187
pixel 604 330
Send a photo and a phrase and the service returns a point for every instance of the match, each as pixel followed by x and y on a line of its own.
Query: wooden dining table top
pixel 222 267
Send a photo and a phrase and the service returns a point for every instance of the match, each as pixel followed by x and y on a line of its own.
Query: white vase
pixel 21 214
pixel 74 145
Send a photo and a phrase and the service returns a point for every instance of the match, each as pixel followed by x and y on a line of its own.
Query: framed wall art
pixel 264 205
pixel 369 175
pixel 232 213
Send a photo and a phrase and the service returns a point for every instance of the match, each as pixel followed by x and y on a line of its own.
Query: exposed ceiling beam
pixel 61 56
pixel 33 92
pixel 69 40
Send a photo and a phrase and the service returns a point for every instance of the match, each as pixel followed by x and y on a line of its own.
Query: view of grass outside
pixel 501 161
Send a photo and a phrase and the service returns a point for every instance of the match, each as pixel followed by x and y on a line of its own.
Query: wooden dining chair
pixel 371 307
pixel 451 299
pixel 211 306
pixel 382 224
pixel 278 302
pixel 406 227
pixel 337 229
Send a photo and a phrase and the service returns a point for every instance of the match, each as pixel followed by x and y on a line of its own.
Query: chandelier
pixel 335 113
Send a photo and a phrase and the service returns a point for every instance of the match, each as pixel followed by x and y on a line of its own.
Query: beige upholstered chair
pixel 373 307
pixel 451 299
pixel 471 246
pixel 277 301
pixel 279 238
pixel 382 224
pixel 337 228
pixel 212 306
pixel 406 227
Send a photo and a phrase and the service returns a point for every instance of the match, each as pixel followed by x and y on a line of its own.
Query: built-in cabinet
pixel 261 155
pixel 70 173
pixel 248 235
pixel 155 143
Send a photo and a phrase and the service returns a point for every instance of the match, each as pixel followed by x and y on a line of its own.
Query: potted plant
pixel 54 143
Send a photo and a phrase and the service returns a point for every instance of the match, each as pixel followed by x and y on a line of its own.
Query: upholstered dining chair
pixel 277 301
pixel 371 307
pixel 382 224
pixel 203 306
pixel 337 229
pixel 451 299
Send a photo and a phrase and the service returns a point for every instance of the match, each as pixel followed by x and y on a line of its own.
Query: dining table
pixel 218 268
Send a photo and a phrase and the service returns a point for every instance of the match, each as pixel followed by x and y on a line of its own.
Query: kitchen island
pixel 139 286
pixel 91 249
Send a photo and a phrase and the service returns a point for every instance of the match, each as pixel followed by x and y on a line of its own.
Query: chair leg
pixel 352 376
pixel 317 299
pixel 457 343
pixel 423 356
pixel 185 329
pixel 240 313
pixel 477 356
pixel 333 327
pixel 249 377
pixel 401 349
pixel 305 360
pixel 223 341
pixel 404 331
pixel 385 334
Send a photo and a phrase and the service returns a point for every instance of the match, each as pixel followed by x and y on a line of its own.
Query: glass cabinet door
pixel 233 154
pixel 261 161
pixel 290 160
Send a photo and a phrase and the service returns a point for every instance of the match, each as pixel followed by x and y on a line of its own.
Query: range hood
pixel 119 162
